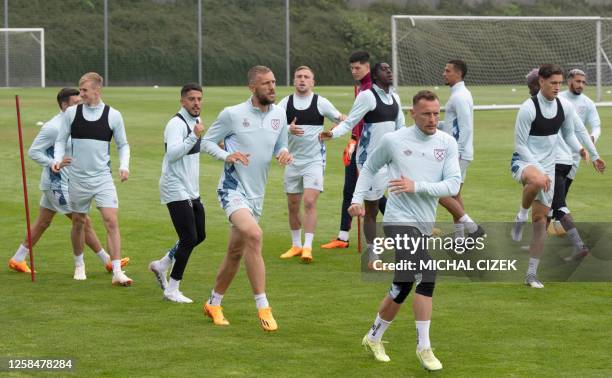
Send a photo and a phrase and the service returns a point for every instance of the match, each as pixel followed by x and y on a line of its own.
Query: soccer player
pixel 179 186
pixel 54 187
pixel 533 163
pixel 567 163
pixel 360 70
pixel 306 112
pixel 381 110
pixel 459 122
pixel 252 132
pixel 533 82
pixel 92 125
pixel 423 166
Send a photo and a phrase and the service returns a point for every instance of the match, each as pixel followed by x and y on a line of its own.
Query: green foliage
pixel 155 42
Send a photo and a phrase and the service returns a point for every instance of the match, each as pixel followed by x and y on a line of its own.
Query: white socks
pixel 523 214
pixel 469 223
pixel 459 231
pixel 173 285
pixel 296 238
pixel 343 235
pixel 422 331
pixel 21 253
pixel 378 329
pixel 533 266
pixel 261 301
pixel 308 239
pixel 78 260
pixel 116 266
pixel 215 298
pixel 574 236
pixel 104 257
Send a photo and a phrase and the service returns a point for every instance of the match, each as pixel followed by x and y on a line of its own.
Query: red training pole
pixel 25 189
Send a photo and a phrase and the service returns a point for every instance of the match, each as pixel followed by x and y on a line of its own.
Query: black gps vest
pixel 309 116
pixel 382 112
pixel 84 129
pixel 541 126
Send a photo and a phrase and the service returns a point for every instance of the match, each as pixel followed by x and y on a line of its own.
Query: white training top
pixel 459 119
pixel 431 161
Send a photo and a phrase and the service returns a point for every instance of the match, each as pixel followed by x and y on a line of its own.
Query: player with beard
pixel 249 131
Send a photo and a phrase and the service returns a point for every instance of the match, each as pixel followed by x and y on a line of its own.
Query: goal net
pixel 499 51
pixel 22 57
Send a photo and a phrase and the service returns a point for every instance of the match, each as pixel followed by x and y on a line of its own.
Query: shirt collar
pixel 188 117
pixel 366 80
pixel 543 99
pixel 380 91
pixel 421 135
pixel 254 108
pixel 100 105
pixel 458 86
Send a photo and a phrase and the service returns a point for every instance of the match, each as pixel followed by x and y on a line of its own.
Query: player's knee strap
pixel 425 288
pixel 399 291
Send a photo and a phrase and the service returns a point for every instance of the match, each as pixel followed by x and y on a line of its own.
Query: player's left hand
pixel 295 129
pixel 600 165
pixel 325 135
pixel 584 154
pixel 284 158
pixel 355 210
pixel 124 174
pixel 401 185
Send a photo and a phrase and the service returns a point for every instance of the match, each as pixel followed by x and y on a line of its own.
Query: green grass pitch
pixel 323 309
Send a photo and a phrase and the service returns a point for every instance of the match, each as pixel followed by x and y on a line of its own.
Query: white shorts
pixel 81 195
pixel 231 200
pixel 57 201
pixel 379 185
pixel 304 176
pixel 463 165
pixel 518 166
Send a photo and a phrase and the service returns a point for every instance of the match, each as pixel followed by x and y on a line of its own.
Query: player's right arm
pixel 221 128
pixel 177 144
pixel 45 139
pixel 583 136
pixel 521 134
pixel 59 148
pixel 594 121
pixel 364 103
pixel 375 161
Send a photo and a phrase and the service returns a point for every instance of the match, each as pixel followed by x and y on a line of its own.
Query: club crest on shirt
pixel 246 123
pixel 439 154
pixel 408 152
pixel 275 123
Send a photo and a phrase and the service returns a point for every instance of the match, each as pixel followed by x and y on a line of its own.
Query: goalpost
pixel 499 52
pixel 22 57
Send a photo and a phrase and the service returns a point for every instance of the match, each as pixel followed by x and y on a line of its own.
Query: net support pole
pixel 200 42
pixel 394 66
pixel 106 78
pixel 42 59
pixel 6 45
pixel 287 46
pixel 25 189
pixel 598 59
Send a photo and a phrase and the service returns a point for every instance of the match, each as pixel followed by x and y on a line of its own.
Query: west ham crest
pixel 407 152
pixel 439 154
pixel 275 123
pixel 246 123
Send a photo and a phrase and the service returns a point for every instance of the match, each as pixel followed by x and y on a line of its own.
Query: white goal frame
pixel 42 53
pixel 599 53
